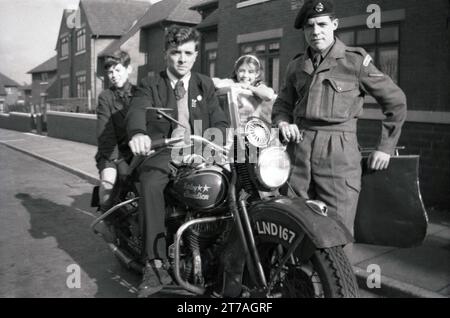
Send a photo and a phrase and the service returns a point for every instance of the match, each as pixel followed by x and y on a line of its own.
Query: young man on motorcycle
pixel 318 107
pixel 190 96
pixel 113 103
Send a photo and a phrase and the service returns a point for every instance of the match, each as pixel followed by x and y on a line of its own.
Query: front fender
pixel 290 213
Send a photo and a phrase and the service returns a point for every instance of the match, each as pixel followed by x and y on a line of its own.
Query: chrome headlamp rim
pixel 258 170
pixel 257 132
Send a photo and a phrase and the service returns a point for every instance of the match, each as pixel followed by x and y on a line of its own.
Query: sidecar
pixel 390 208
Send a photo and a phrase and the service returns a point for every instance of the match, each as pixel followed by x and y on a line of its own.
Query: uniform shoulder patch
pixel 358 50
pixel 367 60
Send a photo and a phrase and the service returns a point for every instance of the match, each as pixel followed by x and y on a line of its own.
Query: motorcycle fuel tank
pixel 201 189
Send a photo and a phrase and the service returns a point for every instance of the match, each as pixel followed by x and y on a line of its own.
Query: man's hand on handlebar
pixel 141 145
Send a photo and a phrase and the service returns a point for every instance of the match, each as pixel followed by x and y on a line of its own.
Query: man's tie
pixel 179 90
pixel 316 60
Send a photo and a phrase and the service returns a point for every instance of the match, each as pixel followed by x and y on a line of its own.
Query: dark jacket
pixel 156 91
pixel 112 137
pixel 332 97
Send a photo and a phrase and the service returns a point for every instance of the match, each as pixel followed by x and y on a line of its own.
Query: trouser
pixel 327 167
pixel 154 177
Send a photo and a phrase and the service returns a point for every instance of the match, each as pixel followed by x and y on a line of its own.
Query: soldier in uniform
pixel 318 107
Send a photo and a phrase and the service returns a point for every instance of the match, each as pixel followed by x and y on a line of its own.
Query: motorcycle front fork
pixel 253 259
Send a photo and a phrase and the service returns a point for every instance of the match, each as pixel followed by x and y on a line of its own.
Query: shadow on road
pixel 73 236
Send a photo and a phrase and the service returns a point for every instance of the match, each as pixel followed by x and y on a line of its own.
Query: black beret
pixel 312 9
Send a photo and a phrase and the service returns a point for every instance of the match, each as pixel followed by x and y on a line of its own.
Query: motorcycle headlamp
pixel 257 132
pixel 273 167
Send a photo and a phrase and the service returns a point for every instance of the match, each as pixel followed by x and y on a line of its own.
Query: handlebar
pixel 162 143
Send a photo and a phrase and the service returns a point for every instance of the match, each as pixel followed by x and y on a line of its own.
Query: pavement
pixel 419 272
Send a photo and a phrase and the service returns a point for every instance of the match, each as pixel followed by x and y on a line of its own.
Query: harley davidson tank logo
pixel 277 230
pixel 197 192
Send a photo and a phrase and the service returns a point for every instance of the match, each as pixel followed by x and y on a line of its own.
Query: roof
pixel 165 10
pixel 173 11
pixel 204 4
pixel 47 66
pixel 112 17
pixel 6 81
pixel 26 87
pixel 210 20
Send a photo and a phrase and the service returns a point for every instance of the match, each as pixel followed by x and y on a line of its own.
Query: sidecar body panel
pixel 390 208
pixel 272 216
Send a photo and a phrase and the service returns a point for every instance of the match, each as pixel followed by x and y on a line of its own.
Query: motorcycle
pixel 230 232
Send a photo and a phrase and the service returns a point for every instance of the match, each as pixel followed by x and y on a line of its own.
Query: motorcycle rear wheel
pixel 327 274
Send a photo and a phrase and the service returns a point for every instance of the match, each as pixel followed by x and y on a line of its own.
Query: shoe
pixel 155 276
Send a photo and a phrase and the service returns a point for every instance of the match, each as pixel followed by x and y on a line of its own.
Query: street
pixel 45 217
pixel 45 236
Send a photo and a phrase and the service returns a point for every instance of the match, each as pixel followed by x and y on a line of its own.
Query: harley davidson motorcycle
pixel 228 226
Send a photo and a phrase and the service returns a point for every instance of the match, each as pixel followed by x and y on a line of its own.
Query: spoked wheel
pixel 327 273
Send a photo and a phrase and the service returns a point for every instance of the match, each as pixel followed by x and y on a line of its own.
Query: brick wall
pixel 432 143
pixel 16 121
pixel 264 16
pixel 70 126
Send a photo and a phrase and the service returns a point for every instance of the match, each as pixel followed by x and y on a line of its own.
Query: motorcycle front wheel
pixel 327 274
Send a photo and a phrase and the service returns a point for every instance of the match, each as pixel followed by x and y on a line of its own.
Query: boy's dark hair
pixel 177 35
pixel 118 57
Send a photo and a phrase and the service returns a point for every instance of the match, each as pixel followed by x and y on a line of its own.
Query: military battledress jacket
pixel 332 97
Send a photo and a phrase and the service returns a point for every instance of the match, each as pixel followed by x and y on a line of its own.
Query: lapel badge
pixel 194 101
pixel 319 7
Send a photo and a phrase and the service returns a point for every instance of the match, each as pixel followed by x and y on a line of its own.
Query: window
pixel 44 77
pixel 65 88
pixel 269 55
pixel 64 46
pixel 81 40
pixel 246 3
pixel 81 86
pixel 211 62
pixel 382 45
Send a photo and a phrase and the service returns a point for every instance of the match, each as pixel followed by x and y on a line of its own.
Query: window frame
pixel 377 45
pixel 81 86
pixel 81 40
pixel 265 58
pixel 64 43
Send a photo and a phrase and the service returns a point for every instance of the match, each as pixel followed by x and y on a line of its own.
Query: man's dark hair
pixel 118 57
pixel 177 35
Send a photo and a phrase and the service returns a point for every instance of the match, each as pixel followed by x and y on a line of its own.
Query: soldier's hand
pixel 140 145
pixel 378 160
pixel 290 132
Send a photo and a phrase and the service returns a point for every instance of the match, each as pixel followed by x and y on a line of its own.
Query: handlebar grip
pixel 158 143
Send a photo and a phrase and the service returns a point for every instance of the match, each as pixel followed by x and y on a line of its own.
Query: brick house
pixel 412 46
pixel 9 92
pixel 42 77
pixel 145 40
pixel 83 34
pixel 25 95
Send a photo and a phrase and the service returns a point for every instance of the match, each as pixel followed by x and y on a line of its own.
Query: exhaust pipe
pixel 127 261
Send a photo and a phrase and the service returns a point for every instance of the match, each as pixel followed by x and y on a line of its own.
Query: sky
pixel 28 33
